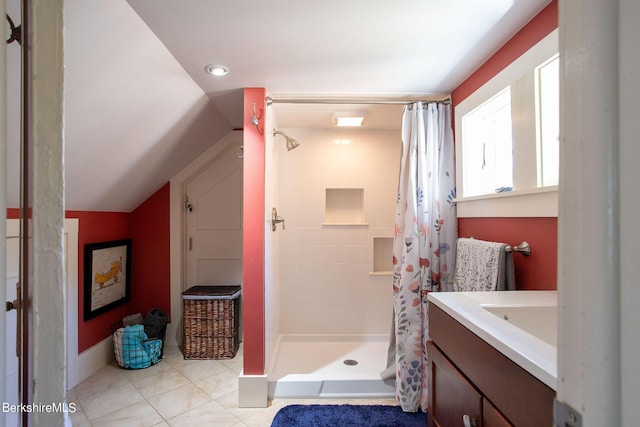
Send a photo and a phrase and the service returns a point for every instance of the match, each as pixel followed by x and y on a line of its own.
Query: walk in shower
pixel 328 284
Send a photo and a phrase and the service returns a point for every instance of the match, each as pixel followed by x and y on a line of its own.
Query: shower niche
pixel 344 206
pixel 382 256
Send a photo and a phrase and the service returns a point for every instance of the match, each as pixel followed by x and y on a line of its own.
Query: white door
pixel 13 272
pixel 213 203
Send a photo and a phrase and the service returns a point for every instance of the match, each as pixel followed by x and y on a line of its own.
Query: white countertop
pixel 530 352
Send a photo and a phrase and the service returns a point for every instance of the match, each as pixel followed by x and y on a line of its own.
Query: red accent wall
pixel 537 29
pixel 151 287
pixel 253 234
pixel 98 227
pixel 539 270
pixel 148 227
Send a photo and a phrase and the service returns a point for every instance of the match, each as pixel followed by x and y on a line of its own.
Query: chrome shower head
pixel 291 143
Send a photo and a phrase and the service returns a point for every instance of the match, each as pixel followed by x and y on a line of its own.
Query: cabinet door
pixel 452 397
pixel 491 417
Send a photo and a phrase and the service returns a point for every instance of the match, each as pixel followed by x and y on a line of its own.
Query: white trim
pixel 176 220
pixel 629 208
pixel 589 369
pixel 253 391
pixel 71 228
pixel 94 358
pixel 524 202
pixel 537 202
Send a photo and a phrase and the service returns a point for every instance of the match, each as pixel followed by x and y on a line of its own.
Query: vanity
pixel 492 358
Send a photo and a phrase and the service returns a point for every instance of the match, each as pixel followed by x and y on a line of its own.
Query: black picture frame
pixel 107 276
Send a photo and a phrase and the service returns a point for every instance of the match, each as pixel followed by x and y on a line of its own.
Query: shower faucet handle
pixel 275 220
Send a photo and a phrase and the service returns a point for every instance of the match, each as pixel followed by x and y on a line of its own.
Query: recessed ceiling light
pixel 353 118
pixel 216 70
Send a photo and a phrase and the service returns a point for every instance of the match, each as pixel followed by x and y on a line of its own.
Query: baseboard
pixel 253 391
pixel 93 359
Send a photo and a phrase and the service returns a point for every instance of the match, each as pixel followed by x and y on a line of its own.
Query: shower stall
pixel 328 283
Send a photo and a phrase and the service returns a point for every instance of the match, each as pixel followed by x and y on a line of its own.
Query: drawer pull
pixel 468 421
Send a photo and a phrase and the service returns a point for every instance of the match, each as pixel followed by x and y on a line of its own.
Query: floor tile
pixel 220 384
pixel 176 392
pixel 95 405
pixel 161 382
pixel 140 414
pixel 196 370
pixel 212 414
pixel 178 401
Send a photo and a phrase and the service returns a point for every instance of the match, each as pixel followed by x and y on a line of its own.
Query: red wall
pixel 537 29
pixel 150 234
pixel 539 270
pixel 536 271
pixel 148 227
pixel 253 233
pixel 98 227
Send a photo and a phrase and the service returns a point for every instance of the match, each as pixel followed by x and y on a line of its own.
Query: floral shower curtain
pixel 425 235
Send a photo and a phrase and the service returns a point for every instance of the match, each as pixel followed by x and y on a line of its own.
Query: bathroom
pixel 328 282
pixel 475 226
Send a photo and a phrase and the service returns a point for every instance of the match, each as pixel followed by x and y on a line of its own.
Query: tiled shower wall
pixel 272 244
pixel 326 285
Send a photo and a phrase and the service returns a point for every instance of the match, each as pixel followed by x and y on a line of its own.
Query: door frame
pixel 71 227
pixel 177 232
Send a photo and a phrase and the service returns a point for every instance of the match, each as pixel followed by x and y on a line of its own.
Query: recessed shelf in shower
pixel 344 206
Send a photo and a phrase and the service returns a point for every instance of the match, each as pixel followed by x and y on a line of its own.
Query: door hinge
pixel 15 304
pixel 187 205
pixel 565 416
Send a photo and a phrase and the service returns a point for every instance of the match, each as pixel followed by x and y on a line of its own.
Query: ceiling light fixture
pixel 352 118
pixel 216 70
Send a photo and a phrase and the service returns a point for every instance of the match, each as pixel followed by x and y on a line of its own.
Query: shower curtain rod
pixel 351 101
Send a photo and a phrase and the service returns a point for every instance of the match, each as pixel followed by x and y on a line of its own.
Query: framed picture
pixel 107 276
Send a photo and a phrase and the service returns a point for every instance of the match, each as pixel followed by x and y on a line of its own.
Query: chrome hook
pixel 275 220
pixel 254 119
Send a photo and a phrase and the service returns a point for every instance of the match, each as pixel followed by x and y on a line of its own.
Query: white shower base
pixel 312 366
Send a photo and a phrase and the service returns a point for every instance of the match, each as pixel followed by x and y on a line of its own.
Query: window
pixel 488 145
pixel 507 134
pixel 548 121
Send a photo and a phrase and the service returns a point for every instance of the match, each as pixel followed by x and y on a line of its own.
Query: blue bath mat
pixel 347 415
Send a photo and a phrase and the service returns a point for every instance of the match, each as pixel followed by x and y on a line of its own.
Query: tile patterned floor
pixel 175 392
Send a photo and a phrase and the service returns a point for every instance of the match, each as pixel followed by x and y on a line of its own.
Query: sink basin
pixel 538 321
pixel 522 325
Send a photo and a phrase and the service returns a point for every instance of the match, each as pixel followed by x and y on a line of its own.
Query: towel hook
pixel 275 220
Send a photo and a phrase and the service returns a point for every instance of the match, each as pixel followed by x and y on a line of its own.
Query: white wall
pixel 271 242
pixel 325 281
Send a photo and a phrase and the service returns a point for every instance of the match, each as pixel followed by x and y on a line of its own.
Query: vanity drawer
pixel 451 396
pixel 523 399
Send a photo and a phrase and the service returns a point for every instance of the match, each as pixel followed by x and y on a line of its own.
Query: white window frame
pixel 527 199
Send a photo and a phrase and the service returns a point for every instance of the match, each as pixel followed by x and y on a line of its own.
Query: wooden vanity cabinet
pixel 468 377
pixel 491 417
pixel 451 395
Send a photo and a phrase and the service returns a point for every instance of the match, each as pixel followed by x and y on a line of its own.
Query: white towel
pixel 483 266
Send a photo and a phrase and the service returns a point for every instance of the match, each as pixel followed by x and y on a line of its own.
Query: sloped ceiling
pixel 139 106
pixel 342 48
pixel 134 117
